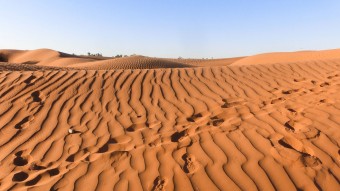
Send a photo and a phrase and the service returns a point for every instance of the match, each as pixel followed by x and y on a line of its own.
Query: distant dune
pixel 262 122
pixel 289 57
pixel 48 57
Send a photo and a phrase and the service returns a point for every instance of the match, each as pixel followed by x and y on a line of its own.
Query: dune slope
pixel 289 57
pixel 232 127
pixel 52 58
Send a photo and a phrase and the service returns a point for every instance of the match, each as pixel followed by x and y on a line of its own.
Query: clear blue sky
pixel 170 28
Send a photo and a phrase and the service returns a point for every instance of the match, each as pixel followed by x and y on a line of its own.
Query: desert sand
pixel 263 122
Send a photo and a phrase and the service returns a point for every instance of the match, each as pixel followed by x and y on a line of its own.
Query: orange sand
pixel 264 122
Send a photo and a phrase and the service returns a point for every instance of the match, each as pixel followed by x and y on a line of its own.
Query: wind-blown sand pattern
pixel 139 123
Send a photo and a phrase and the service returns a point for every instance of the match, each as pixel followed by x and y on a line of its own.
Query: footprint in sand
pixel 325 84
pixel 325 101
pixel 37 96
pixel 291 112
pixel 274 90
pixel 307 157
pixel 310 161
pixel 19 160
pixel 34 181
pixel 278 100
pixel 123 142
pixel 53 172
pixel 331 77
pixel 183 135
pixel 177 136
pixel 105 147
pixel 153 124
pixel 191 164
pixel 159 184
pixel 183 138
pixel 20 176
pixel 195 117
pixel 35 166
pixel 299 79
pixel 24 123
pixel 215 121
pixel 137 127
pixel 232 102
pixel 302 127
pixel 289 91
pixel 296 126
pixel 314 82
pixel 30 80
pixel 199 117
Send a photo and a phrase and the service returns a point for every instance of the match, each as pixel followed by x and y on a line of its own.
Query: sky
pixel 170 28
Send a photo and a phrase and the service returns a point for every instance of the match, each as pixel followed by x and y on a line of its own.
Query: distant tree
pixel 3 58
pixel 118 56
pixel 96 55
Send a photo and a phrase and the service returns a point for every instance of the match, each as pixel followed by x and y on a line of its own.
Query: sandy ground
pixel 264 122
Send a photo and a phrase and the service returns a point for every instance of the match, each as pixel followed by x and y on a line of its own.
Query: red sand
pixel 264 122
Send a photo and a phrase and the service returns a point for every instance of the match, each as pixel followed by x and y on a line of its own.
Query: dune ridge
pixel 114 125
pixel 52 58
pixel 289 57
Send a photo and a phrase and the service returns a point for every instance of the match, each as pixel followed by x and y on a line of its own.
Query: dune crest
pixel 140 123
pixel 289 57
pixel 51 58
pixel 48 57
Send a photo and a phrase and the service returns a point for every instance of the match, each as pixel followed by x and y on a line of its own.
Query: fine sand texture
pixel 263 122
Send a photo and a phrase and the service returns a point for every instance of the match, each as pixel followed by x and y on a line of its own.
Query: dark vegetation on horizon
pixel 100 55
pixel 3 58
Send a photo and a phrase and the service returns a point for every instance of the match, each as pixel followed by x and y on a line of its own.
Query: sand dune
pixel 48 57
pixel 42 57
pixel 289 57
pixel 235 124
